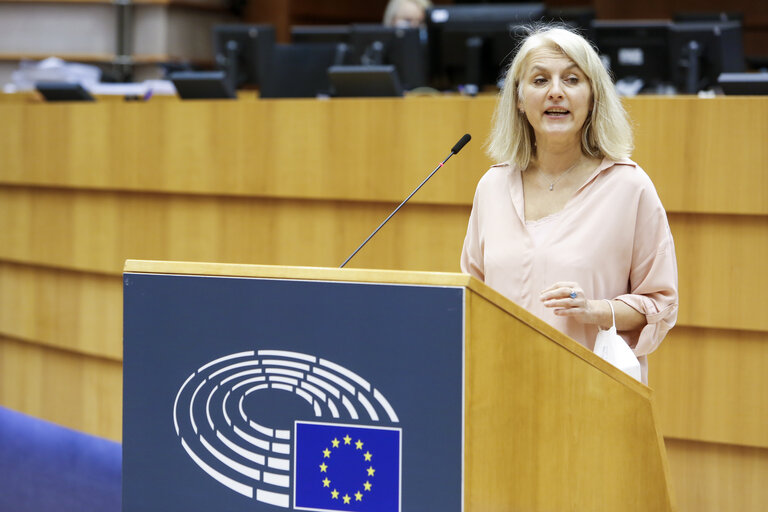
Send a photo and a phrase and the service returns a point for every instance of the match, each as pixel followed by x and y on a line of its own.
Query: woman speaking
pixel 567 226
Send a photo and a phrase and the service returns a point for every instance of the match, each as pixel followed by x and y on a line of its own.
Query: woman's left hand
pixel 567 298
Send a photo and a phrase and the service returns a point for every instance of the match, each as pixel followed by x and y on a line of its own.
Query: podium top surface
pixel 307 273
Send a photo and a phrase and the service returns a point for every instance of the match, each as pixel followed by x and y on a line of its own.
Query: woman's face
pixel 556 96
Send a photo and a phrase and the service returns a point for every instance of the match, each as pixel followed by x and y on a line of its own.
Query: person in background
pixel 406 13
pixel 567 222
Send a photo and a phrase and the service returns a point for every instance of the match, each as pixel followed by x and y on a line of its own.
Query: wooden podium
pixel 493 409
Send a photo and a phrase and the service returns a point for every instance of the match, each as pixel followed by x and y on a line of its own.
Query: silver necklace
pixel 551 186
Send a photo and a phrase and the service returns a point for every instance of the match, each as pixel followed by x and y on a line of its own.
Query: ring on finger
pixel 573 294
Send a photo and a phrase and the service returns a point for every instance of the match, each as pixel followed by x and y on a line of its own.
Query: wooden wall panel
pixel 722 272
pixel 302 149
pixel 713 477
pixel 97 232
pixel 701 157
pixel 711 385
pixel 70 389
pixel 73 311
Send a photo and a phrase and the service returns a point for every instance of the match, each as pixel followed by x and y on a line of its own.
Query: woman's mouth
pixel 557 112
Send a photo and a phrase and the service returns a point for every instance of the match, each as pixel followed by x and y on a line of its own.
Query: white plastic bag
pixel 612 347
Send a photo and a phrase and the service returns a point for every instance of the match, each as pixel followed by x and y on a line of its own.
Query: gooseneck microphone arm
pixel 455 149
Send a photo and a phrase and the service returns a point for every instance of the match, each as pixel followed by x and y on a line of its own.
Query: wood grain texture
pixel 80 392
pixel 722 271
pixel 712 386
pixel 541 424
pixel 713 477
pixel 701 154
pixel 97 232
pixel 300 149
pixel 72 311
pixel 193 268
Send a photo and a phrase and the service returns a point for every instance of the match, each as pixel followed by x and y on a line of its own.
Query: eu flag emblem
pixel 346 467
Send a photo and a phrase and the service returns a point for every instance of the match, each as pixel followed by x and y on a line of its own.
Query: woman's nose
pixel 556 89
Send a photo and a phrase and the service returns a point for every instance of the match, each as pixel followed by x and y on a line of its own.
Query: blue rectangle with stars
pixel 347 467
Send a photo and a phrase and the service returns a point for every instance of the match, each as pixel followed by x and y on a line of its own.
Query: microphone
pixel 454 150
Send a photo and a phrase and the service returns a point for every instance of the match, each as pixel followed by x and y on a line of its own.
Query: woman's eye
pixel 539 80
pixel 572 80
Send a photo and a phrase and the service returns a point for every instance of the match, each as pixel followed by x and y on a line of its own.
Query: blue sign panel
pixel 270 395
pixel 346 467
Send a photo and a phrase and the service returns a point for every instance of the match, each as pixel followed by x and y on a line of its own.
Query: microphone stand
pixel 456 148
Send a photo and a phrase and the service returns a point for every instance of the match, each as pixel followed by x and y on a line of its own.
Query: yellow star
pixel 371 471
pixel 367 485
pixel 368 456
pixel 347 439
pixel 323 468
pixel 326 482
pixel 359 444
pixel 358 496
pixel 327 453
pixel 335 494
pixel 335 443
pixel 346 499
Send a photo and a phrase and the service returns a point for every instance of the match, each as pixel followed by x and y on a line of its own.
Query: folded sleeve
pixel 472 252
pixel 653 276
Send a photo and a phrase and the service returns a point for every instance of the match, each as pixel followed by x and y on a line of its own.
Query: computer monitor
pixel 298 70
pixel 635 50
pixel 379 45
pixel 365 81
pixel 751 84
pixel 202 85
pixel 63 91
pixel 700 51
pixel 364 44
pixel 242 51
pixel 471 45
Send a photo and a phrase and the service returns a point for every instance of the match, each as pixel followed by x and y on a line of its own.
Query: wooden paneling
pixel 711 385
pixel 521 384
pixel 97 232
pixel 70 389
pixel 722 271
pixel 74 311
pixel 89 231
pixel 702 155
pixel 701 158
pixel 302 149
pixel 713 478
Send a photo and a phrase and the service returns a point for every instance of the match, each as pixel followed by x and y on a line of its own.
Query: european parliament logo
pixel 346 465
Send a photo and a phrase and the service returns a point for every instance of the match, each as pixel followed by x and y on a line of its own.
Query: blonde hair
pixel 391 10
pixel 606 131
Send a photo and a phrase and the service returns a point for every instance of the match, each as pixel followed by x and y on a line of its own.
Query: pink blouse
pixel 612 238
